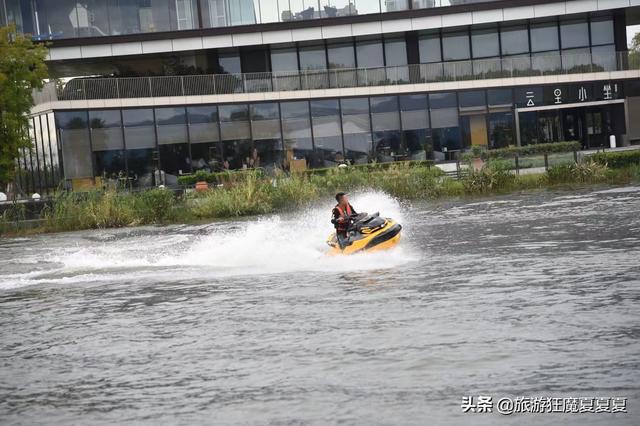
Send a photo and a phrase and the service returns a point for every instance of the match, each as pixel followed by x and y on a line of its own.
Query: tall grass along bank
pixel 259 194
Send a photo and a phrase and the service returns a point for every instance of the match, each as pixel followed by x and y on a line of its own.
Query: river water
pixel 249 322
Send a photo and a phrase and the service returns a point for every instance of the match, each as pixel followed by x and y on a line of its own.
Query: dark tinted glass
pixel 485 43
pixel 137 117
pixel 442 100
pixel 369 54
pixel 455 46
pixel 341 55
pixel 229 63
pixel 294 109
pixel 601 31
pixel 234 112
pixel 499 97
pixel 284 59
pixel 413 102
pixel 324 107
pixel 544 36
pixel 72 120
pixel 429 46
pixel 574 34
pixel 264 111
pixel 514 40
pixel 203 114
pixel 355 106
pixel 312 58
pixel 106 118
pixel 170 116
pixel 384 104
pixel 472 99
pixel 395 52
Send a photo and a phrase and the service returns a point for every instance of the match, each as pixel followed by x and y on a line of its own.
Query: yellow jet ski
pixel 368 232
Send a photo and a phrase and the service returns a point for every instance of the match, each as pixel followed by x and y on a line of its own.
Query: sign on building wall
pixel 535 96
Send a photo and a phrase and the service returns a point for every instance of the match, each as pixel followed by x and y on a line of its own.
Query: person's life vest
pixel 345 214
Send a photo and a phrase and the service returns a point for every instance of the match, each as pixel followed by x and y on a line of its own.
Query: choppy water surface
pixel 250 323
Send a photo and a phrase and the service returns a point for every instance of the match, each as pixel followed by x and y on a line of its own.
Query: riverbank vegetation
pixel 257 193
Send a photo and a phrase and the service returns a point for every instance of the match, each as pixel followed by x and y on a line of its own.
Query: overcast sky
pixel 631 31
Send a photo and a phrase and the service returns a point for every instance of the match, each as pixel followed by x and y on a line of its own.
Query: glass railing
pixel 63 19
pixel 218 84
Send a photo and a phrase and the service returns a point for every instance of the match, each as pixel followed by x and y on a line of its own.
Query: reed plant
pixel 259 194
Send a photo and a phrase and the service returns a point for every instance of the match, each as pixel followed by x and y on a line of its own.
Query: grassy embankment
pixel 251 193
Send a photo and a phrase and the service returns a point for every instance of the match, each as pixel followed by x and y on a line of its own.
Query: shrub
pixel 585 172
pixel 542 148
pixel 495 175
pixel 155 206
pixel 617 159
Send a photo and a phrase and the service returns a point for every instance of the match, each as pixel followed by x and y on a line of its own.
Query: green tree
pixel 22 69
pixel 634 51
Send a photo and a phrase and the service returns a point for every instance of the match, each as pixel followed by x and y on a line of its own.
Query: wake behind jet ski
pixel 356 232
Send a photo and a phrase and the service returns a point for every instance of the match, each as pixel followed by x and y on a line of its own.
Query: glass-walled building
pixel 134 142
pixel 170 87
pixel 60 19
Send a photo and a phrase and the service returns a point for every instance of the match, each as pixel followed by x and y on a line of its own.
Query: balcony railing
pixel 218 84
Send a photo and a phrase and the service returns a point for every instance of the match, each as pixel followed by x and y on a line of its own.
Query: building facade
pixel 181 86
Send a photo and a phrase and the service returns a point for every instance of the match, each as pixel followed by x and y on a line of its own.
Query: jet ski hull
pixel 387 237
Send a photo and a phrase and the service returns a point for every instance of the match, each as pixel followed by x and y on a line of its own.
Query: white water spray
pixel 288 243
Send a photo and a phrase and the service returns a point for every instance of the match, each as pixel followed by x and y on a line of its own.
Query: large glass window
pixel 501 129
pixel 220 13
pixel 327 135
pixel 204 136
pixel 229 62
pixel 140 140
pixel 443 100
pixel 134 16
pixel 341 55
pixel 429 47
pixel 172 140
pixel 265 125
pixel 76 148
pixel 395 5
pixel 107 142
pixel 395 51
pixel 444 123
pixel 574 33
pixel 370 55
pixel 601 31
pixel 514 40
pixel 356 129
pixel 343 61
pixel 604 58
pixel 472 99
pixel 284 63
pixel 313 60
pixel 455 46
pixel 396 57
pixel 203 124
pixel 296 129
pixel 500 97
pixel 544 36
pixel 485 43
pixel 416 135
pixel 385 120
pixel 234 121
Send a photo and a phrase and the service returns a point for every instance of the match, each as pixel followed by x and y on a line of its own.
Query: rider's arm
pixel 337 217
pixel 353 211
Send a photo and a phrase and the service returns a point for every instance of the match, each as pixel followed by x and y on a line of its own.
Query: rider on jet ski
pixel 343 214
